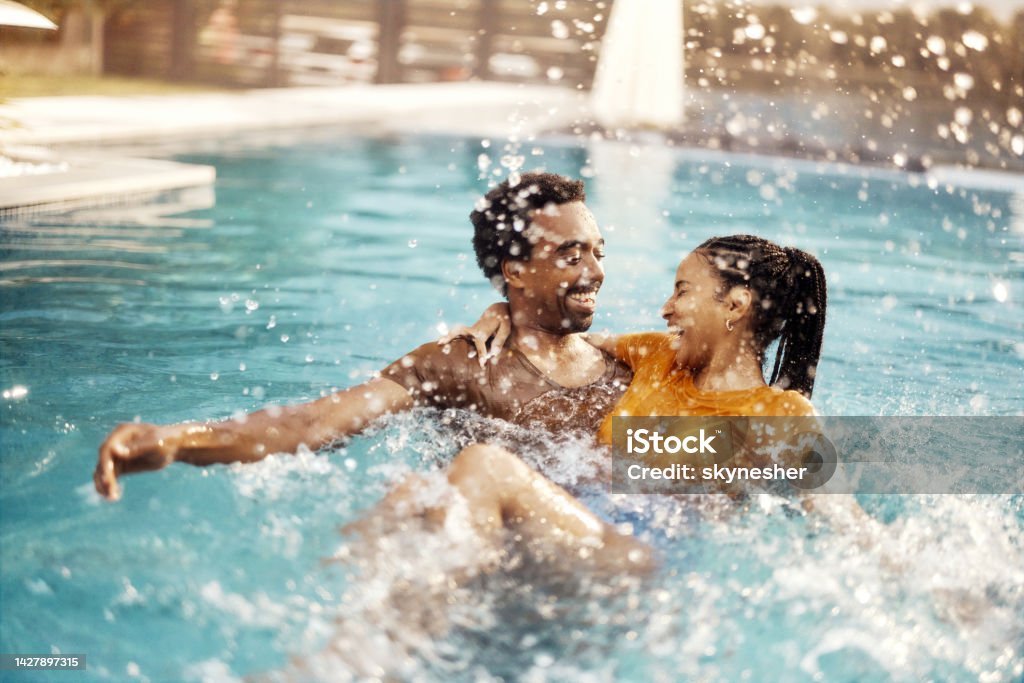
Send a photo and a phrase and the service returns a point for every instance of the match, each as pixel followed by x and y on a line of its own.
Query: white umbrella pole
pixel 639 79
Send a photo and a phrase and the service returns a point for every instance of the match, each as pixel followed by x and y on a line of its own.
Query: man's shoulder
pixel 457 357
pixel 441 375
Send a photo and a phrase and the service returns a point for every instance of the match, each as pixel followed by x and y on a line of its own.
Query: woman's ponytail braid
pixel 796 361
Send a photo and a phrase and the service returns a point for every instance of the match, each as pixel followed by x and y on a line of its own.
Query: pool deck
pixel 488 109
pixel 78 133
pixel 89 136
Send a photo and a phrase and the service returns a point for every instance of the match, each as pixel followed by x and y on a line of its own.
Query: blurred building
pixel 871 81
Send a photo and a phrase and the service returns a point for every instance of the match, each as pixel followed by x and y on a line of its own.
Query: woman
pixel 732 297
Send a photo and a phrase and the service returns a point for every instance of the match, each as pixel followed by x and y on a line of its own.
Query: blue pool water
pixel 318 262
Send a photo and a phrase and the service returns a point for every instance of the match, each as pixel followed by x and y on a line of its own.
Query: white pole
pixel 639 79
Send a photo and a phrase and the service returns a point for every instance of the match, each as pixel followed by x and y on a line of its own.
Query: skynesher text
pixel 716 473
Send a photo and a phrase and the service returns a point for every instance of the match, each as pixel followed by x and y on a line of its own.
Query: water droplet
pixel 583 26
pixel 963 81
pixel 555 73
pixel 412 244
pixel 15 393
pixel 251 305
pixel 974 40
pixel 513 161
pixel 285 338
pixel 543 661
pixel 1000 292
pixel 737 125
pixel 1017 144
pixel 804 15
pixel 214 376
pixel 559 29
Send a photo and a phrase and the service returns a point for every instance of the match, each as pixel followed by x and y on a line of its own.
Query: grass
pixel 34 85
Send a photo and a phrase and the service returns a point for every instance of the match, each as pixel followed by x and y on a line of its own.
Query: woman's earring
pixel 729 325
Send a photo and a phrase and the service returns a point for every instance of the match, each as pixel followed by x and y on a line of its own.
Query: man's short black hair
pixel 503 215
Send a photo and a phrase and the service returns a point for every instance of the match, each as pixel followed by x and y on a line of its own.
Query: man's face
pixel 557 287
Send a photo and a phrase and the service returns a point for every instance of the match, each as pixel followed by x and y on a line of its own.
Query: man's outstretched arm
pixel 132 448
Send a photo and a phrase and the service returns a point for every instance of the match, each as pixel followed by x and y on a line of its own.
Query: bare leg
pixel 490 497
pixel 415 498
pixel 504 492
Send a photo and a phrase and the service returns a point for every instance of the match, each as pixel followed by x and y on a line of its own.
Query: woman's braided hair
pixel 789 301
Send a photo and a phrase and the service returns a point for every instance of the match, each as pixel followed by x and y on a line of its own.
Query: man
pixel 539 243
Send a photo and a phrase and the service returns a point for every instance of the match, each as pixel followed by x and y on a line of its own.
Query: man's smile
pixel 584 297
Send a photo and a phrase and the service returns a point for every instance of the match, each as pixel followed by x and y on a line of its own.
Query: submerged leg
pixel 501 492
pixel 504 492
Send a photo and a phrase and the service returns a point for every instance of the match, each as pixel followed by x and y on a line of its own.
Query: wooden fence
pixel 305 42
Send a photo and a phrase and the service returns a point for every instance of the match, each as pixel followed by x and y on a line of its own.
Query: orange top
pixel 660 388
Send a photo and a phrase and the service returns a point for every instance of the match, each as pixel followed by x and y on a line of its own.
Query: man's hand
pixel 494 326
pixel 132 448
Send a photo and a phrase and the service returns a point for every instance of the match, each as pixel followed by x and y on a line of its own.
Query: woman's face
pixel 696 312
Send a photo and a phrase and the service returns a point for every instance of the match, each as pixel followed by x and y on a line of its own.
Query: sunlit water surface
pixel 322 261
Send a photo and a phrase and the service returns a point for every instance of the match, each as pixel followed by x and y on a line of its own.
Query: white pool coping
pixel 501 111
pixel 477 108
pixel 483 108
pixel 89 179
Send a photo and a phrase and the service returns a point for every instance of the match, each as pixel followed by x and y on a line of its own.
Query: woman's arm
pixel 492 330
pixel 605 341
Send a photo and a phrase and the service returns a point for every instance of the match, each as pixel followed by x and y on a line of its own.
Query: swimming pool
pixel 320 261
